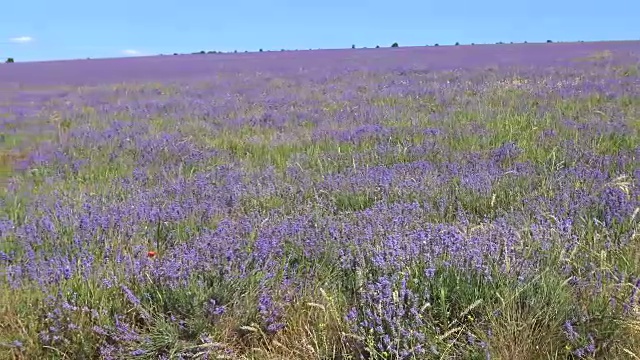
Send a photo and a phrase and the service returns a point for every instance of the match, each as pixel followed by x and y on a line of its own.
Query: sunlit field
pixel 461 202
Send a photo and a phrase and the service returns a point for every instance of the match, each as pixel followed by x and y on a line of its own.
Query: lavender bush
pixel 450 202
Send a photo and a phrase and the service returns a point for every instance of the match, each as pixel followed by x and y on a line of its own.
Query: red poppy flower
pixel 151 254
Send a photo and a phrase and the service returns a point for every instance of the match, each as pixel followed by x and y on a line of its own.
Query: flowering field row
pixel 385 211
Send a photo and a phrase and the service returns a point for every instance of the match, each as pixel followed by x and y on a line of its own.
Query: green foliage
pixel 353 202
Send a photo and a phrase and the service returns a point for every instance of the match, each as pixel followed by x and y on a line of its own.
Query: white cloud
pixel 131 52
pixel 21 39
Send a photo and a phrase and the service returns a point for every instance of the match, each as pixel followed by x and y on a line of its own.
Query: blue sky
pixel 45 29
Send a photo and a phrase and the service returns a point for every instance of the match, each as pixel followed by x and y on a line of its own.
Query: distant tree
pixel 525 42
pixel 281 49
pixel 377 46
pixel 549 41
pixel 457 43
pixel 436 44
pixel 202 52
pixel 235 51
pixel 353 46
pixel 175 53
pixel 473 43
pixel 395 44
pixel 10 60
pixel 260 50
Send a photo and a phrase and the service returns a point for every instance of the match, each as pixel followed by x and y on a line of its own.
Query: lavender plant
pixel 330 205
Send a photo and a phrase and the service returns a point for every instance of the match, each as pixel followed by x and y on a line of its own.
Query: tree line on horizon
pixel 394 45
pixel 203 52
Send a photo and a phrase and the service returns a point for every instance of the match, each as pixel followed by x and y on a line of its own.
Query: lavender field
pixel 467 202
